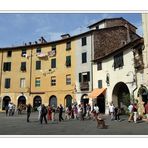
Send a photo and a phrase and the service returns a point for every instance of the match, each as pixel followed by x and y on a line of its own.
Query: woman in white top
pixel 111 111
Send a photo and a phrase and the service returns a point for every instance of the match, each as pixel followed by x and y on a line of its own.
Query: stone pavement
pixel 17 125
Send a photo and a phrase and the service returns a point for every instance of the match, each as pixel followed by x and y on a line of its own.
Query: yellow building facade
pixel 39 73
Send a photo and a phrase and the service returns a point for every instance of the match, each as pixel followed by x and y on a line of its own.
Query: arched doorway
pixel 121 95
pixel 37 101
pixel 53 101
pixel 101 103
pixel 68 100
pixel 143 92
pixel 6 101
pixel 22 100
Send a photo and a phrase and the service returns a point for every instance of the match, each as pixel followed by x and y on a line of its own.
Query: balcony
pixel 84 86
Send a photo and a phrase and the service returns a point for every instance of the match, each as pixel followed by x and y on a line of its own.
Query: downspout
pixel 30 72
pixel 1 79
pixel 92 53
pixel 135 87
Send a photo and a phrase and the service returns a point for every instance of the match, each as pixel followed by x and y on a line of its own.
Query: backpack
pixel 44 110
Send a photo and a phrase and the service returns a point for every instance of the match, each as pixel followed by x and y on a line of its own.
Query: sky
pixel 19 28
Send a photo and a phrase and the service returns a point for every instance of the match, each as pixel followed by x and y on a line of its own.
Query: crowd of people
pixel 11 109
pixel 76 112
pixel 133 111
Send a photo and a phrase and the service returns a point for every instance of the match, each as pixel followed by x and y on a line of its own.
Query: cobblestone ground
pixel 17 125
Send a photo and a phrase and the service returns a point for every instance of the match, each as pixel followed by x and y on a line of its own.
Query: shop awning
pixel 97 92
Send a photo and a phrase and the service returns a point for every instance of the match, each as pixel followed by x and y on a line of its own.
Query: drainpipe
pixel 30 72
pixel 92 53
pixel 1 79
pixel 135 87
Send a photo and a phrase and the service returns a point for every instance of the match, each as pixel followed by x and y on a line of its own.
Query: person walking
pixel 43 114
pixel 49 113
pixel 60 112
pixel 29 107
pixel 53 110
pixel 117 113
pixel 146 110
pixel 111 111
pixel 39 111
pixel 88 111
pixel 135 109
pixel 130 109
pixel 6 109
pixel 10 106
pixel 96 109
pixel 75 109
pixel 67 117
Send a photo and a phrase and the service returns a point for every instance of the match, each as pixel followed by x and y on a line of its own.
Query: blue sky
pixel 19 28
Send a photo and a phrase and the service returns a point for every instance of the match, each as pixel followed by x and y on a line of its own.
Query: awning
pixel 97 92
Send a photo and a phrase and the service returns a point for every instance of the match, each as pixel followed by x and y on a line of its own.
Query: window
pixel 38 65
pixel 23 53
pixel 37 82
pixel 7 66
pixel 7 83
pixel 53 81
pixel 118 60
pixel 23 66
pixel 99 66
pixel 84 57
pixel 53 63
pixel 99 83
pixel 68 45
pixel 68 61
pixel 22 83
pixel 68 79
pixel 38 50
pixel 53 48
pixel 84 77
pixel 9 53
pixel 84 41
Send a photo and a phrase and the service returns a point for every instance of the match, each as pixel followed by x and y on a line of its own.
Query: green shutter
pixel 80 77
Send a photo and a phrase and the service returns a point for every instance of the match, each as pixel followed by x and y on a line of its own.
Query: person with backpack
pixel 43 114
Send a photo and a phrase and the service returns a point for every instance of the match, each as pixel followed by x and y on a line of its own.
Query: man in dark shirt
pixel 60 113
pixel 43 114
pixel 29 107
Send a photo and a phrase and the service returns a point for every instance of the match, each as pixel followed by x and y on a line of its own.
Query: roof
pixel 127 46
pixel 48 43
pixel 107 19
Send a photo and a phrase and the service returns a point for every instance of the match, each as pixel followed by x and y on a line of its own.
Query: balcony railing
pixel 84 86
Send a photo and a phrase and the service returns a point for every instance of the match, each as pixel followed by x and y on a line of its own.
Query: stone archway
pixel 53 101
pixel 6 101
pixel 37 101
pixel 121 95
pixel 21 100
pixel 68 100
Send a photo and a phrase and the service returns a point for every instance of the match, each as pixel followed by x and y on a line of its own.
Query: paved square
pixel 17 125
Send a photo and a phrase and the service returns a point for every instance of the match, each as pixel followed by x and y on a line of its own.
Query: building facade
pixel 114 75
pixel 38 73
pixel 83 71
pixel 99 66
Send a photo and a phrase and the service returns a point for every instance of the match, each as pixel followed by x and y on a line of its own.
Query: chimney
pixel 64 36
pixel 42 40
